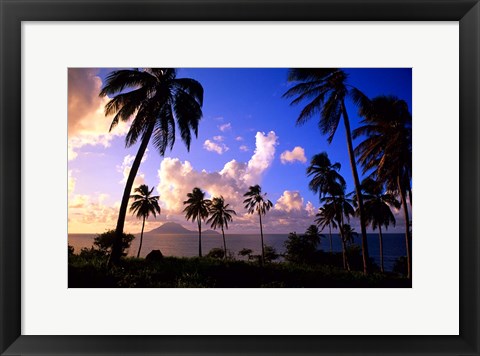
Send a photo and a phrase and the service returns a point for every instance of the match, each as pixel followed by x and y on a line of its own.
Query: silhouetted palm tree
pixel 348 233
pixel 326 89
pixel 324 217
pixel 220 216
pixel 342 206
pixel 257 202
pixel 313 234
pixel 377 205
pixel 156 100
pixel 387 150
pixel 197 209
pixel 325 176
pixel 143 205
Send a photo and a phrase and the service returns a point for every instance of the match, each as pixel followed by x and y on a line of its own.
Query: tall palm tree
pixel 155 99
pixel 386 151
pixel 325 176
pixel 326 217
pixel 325 180
pixel 220 216
pixel 377 205
pixel 343 210
pixel 144 205
pixel 257 202
pixel 326 90
pixel 197 208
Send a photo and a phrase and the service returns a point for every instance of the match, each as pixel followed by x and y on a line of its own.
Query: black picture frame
pixel 13 12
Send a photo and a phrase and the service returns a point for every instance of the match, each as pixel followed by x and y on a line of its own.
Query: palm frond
pixel 118 80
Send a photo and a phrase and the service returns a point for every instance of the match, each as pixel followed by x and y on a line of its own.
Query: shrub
pixel 71 250
pixel 270 254
pixel 216 253
pixel 104 242
pixel 92 253
pixel 301 248
pixel 246 252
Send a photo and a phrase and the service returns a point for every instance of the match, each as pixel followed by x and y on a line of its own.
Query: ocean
pixel 183 245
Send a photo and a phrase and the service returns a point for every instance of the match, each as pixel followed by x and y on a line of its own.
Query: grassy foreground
pixel 174 272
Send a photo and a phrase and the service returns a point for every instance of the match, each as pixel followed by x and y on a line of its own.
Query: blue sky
pixel 243 113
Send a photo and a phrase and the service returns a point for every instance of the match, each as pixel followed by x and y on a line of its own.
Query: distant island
pixel 174 228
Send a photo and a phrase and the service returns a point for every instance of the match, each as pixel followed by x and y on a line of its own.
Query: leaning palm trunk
pixel 224 244
pixel 117 242
pixel 199 237
pixel 380 241
pixel 261 236
pixel 407 228
pixel 141 238
pixel 357 189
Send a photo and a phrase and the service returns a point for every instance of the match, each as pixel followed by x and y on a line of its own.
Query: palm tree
pixel 156 100
pixel 220 216
pixel 314 234
pixel 325 180
pixel 257 202
pixel 197 209
pixel 324 217
pixel 343 209
pixel 326 89
pixel 387 150
pixel 143 205
pixel 325 176
pixel 377 205
pixel 348 233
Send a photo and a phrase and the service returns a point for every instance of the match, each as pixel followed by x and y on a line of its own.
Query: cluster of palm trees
pixel 197 208
pixel 338 207
pixel 385 154
pixel 216 213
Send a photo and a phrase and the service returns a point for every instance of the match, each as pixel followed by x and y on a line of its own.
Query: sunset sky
pixel 247 136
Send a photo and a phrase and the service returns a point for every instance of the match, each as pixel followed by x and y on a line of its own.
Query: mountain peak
pixel 171 227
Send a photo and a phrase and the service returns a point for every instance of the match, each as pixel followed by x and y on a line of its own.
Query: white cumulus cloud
pixel 215 147
pixel 289 201
pixel 297 154
pixel 177 178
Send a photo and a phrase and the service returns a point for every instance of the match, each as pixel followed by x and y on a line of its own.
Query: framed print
pixel 244 63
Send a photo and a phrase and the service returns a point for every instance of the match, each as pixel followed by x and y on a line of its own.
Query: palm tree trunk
pixel 357 189
pixel 117 242
pixel 224 244
pixel 407 228
pixel 261 236
pixel 380 240
pixel 331 246
pixel 346 265
pixel 199 237
pixel 141 238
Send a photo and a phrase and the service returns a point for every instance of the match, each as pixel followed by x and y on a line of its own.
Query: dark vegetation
pixel 303 265
pixel 90 271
